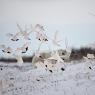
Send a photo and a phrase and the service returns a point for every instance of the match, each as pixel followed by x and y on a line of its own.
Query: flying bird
pixel 14 37
pixel 6 49
pixel 39 32
pixel 24 48
pixel 41 37
pixel 50 66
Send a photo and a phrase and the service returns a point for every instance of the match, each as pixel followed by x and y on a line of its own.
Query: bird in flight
pixel 39 32
pixel 24 48
pixel 6 49
pixel 14 37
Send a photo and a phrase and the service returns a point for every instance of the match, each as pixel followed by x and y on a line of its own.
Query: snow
pixel 77 79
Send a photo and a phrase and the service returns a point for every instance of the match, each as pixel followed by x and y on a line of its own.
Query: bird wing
pixel 19 28
pixel 39 28
pixel 38 35
pixel 56 35
pixel 26 45
pixel 16 35
pixel 66 43
pixel 37 52
pixel 26 29
pixel 58 57
pixel 2 46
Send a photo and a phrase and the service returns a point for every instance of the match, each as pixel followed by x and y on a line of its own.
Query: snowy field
pixel 77 79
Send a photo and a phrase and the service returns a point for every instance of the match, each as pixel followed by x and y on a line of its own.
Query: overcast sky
pixel 74 19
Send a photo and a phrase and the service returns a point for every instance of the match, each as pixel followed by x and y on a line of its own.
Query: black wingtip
pixel 62 69
pixel 51 71
pixel 14 40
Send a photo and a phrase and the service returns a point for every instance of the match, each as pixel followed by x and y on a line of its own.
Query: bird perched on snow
pixel 24 33
pixel 24 48
pixel 14 37
pixel 6 49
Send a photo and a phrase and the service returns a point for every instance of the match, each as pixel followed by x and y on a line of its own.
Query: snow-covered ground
pixel 77 79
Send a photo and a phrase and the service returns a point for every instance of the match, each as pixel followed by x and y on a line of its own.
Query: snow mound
pixel 76 79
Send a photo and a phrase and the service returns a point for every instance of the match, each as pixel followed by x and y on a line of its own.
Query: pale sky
pixel 74 19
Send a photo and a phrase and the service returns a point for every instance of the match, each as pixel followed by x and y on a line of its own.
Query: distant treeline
pixel 12 60
pixel 76 54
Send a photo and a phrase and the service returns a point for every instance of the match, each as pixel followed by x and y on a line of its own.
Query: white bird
pixel 55 40
pixel 41 37
pixel 24 48
pixel 24 33
pixel 56 66
pixel 14 37
pixel 39 31
pixel 6 49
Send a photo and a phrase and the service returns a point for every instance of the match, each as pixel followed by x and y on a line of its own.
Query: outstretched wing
pixel 56 35
pixel 26 28
pixel 37 52
pixel 66 43
pixel 2 46
pixel 38 28
pixel 26 45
